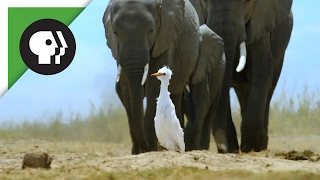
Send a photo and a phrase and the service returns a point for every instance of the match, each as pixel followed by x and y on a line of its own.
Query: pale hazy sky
pixel 91 76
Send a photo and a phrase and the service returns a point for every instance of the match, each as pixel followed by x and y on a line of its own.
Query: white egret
pixel 166 123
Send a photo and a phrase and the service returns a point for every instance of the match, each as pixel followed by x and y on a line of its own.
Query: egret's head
pixel 163 74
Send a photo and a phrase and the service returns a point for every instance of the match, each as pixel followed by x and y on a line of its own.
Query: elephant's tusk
pixel 145 73
pixel 187 88
pixel 243 56
pixel 119 72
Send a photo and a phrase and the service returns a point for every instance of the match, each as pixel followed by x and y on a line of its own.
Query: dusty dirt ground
pixel 115 157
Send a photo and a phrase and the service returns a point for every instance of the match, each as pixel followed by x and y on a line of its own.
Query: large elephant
pixel 145 35
pixel 200 100
pixel 257 31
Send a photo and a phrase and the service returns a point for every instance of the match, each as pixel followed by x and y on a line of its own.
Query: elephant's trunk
pixel 134 62
pixel 136 100
pixel 224 21
pixel 219 126
pixel 227 29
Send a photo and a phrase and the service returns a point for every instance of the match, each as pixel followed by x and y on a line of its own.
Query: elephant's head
pixel 137 30
pixel 241 22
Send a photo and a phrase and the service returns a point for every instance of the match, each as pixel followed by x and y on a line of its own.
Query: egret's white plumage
pixel 166 123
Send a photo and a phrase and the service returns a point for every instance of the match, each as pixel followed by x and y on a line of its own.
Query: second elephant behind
pixel 202 95
pixel 256 34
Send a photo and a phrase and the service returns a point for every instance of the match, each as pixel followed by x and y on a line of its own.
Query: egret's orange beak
pixel 156 74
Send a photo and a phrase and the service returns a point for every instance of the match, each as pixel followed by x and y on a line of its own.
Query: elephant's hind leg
pixel 254 136
pixel 198 106
pixel 206 130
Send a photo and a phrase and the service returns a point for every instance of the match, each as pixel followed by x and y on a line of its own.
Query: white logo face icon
pixel 47 46
pixel 43 44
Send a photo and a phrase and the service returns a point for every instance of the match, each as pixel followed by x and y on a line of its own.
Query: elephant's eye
pixel 150 31
pixel 115 33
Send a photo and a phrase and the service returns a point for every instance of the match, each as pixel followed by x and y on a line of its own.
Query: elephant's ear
pixel 111 39
pixel 266 14
pixel 171 25
pixel 198 7
pixel 211 53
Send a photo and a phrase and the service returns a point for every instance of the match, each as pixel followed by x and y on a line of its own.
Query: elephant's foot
pixel 153 144
pixel 250 147
pixel 222 148
pixel 138 150
pixel 191 146
pixel 135 149
pixel 254 142
pixel 191 143
pixel 233 146
pixel 220 138
pixel 205 145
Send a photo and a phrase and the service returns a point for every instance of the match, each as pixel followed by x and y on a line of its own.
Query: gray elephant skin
pixel 145 35
pixel 259 32
pixel 200 100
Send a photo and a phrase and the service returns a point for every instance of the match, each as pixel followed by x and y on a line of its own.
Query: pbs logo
pixel 47 46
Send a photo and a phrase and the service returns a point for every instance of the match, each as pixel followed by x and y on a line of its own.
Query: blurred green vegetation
pixel 298 114
pixel 101 125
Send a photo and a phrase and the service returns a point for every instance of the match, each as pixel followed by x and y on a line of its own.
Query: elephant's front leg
pixel 206 129
pixel 152 90
pixel 198 105
pixel 254 135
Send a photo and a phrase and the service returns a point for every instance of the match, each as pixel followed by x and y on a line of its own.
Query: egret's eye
pixel 164 74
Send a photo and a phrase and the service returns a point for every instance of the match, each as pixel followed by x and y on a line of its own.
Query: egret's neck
pixel 164 88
